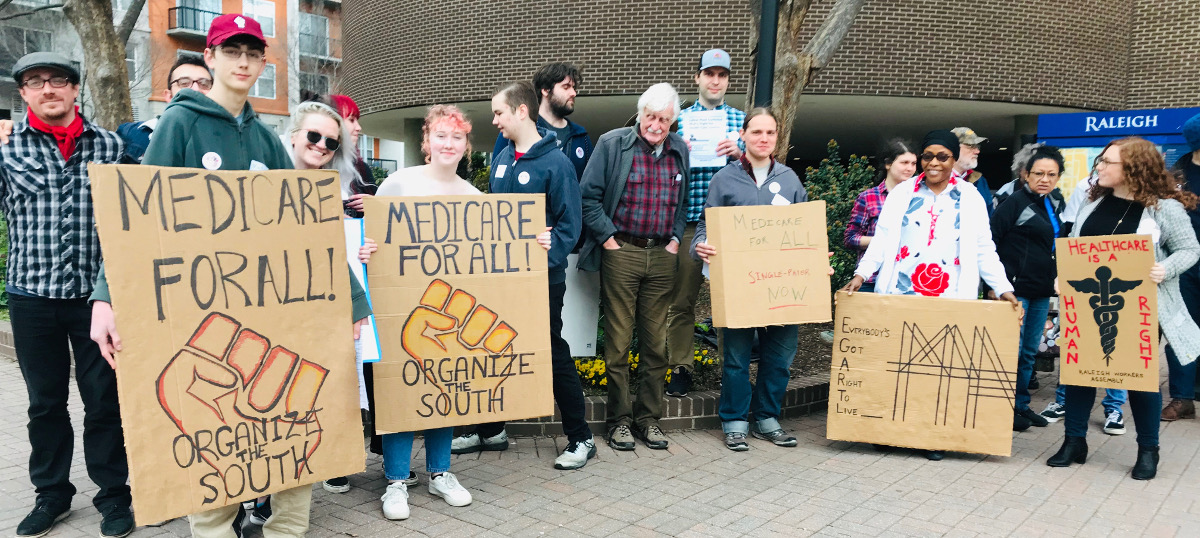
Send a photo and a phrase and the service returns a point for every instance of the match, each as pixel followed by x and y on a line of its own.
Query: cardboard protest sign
pixel 924 372
pixel 462 300
pixel 771 266
pixel 232 297
pixel 1108 311
pixel 368 334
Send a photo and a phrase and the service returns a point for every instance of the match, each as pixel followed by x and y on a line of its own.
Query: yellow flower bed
pixel 592 372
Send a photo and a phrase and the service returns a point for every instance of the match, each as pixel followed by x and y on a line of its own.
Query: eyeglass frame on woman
pixel 314 137
pixel 187 82
pixel 941 157
pixel 36 83
pixel 254 56
pixel 1102 161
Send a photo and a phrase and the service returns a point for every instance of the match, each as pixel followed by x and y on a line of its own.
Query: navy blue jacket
pixel 136 136
pixel 544 170
pixel 577 147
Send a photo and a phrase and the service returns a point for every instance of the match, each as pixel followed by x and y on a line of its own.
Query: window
pixel 131 64
pixel 314 82
pixel 17 42
pixel 265 87
pixel 366 146
pixel 196 15
pixel 314 35
pixel 262 11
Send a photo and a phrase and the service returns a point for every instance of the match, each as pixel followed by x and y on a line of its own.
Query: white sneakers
pixel 471 442
pixel 395 501
pixel 446 486
pixel 575 455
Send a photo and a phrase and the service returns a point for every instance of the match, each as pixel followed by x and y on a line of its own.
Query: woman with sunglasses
pixel 1134 194
pixel 315 141
pixel 933 237
pixel 1024 229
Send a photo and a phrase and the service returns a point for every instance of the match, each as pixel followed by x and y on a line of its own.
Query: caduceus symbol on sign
pixel 1105 303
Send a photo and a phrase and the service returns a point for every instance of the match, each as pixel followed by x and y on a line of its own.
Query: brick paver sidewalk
pixel 698 488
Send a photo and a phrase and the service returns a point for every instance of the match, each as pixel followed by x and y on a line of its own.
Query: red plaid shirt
pixel 863 218
pixel 647 207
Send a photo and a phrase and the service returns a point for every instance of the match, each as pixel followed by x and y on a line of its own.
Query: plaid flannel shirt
pixel 863 218
pixel 700 177
pixel 54 248
pixel 647 206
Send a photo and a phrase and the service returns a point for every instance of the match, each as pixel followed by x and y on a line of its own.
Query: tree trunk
pixel 104 60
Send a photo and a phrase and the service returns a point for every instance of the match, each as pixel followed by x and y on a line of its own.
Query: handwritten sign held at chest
pixel 771 266
pixel 232 295
pixel 461 296
pixel 1108 310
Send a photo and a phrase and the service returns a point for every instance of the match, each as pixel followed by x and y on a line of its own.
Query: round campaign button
pixel 523 178
pixel 579 152
pixel 773 187
pixel 211 160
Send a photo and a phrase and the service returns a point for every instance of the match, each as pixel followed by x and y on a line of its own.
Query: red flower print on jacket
pixel 902 254
pixel 930 280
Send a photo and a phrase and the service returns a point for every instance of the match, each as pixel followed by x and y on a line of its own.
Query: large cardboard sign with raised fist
pixel 232 298
pixel 1108 311
pixel 461 297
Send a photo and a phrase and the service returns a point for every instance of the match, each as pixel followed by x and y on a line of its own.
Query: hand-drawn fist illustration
pixel 1106 304
pixel 246 406
pixel 450 323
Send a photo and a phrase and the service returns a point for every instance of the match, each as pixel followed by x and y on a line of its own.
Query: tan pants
pixel 636 288
pixel 681 320
pixel 289 516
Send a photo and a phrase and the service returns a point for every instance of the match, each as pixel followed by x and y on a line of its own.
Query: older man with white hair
pixel 634 212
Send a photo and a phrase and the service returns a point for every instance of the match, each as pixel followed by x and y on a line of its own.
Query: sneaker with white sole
pixel 395 501
pixel 411 480
pixel 576 454
pixel 340 484
pixel 471 442
pixel 1054 412
pixel 447 487
pixel 1114 423
pixel 736 441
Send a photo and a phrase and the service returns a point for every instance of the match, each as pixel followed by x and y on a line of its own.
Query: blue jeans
pixel 1036 310
pixel 1181 380
pixel 739 398
pixel 1113 398
pixel 397 452
pixel 1145 407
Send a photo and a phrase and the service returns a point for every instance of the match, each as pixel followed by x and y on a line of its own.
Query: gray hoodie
pixel 734 185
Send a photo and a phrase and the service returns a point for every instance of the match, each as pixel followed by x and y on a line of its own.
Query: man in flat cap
pixel 53 260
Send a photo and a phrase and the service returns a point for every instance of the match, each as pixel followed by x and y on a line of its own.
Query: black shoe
pixel 1147 463
pixel 340 484
pixel 681 382
pixel 1074 449
pixel 117 522
pixel 886 449
pixel 261 512
pixel 368 424
pixel 46 512
pixel 1020 423
pixel 1034 419
pixel 934 455
pixel 1034 385
pixel 239 519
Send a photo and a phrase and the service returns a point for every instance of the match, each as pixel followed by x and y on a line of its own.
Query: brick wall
pixel 1164 57
pixel 1098 54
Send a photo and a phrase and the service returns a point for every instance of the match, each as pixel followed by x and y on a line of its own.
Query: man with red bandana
pixel 54 255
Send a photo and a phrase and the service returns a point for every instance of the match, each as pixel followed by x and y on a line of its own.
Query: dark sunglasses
pixel 941 157
pixel 331 144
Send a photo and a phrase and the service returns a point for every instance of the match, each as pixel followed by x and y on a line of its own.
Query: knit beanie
pixel 1191 132
pixel 947 139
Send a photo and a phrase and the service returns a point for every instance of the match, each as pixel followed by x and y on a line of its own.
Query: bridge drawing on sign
pixel 967 368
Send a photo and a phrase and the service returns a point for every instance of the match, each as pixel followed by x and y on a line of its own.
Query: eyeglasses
pixel 36 83
pixel 187 82
pixel 1040 175
pixel 941 157
pixel 1105 162
pixel 331 144
pixel 235 53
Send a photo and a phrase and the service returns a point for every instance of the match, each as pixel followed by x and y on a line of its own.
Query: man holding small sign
pixel 1108 298
pixel 754 180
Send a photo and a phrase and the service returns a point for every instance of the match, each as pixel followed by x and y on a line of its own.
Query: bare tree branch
pixel 12 16
pixel 832 31
pixel 5 3
pixel 125 28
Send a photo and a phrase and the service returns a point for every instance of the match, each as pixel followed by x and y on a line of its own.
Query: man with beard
pixel 53 259
pixel 969 143
pixel 556 85
pixel 712 81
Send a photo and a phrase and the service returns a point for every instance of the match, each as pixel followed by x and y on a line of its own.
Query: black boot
pixel 1147 463
pixel 1074 449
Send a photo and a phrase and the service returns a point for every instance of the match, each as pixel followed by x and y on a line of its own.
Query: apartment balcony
pixel 389 165
pixel 189 22
pixel 320 48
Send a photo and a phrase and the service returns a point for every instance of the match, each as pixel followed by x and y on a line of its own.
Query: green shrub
pixel 839 185
pixel 480 171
